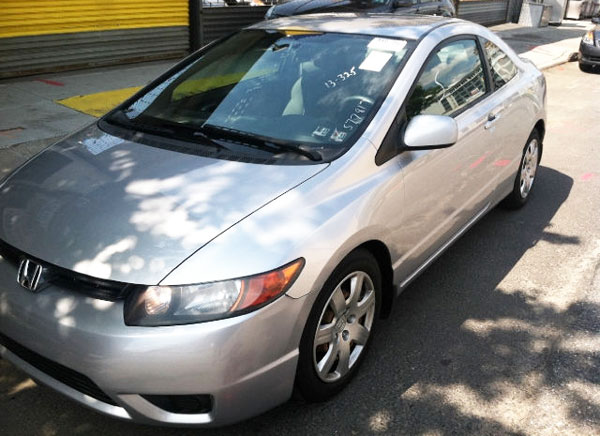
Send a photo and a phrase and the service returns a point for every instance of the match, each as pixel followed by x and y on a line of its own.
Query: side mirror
pixel 426 132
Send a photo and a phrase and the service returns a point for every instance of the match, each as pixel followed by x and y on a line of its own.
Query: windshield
pixel 281 92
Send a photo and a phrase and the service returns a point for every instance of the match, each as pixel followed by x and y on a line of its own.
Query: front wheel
pixel 337 333
pixel 526 174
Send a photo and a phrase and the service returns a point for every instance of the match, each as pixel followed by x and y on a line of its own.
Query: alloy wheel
pixel 344 326
pixel 529 167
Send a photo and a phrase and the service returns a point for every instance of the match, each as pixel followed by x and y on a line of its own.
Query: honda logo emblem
pixel 30 275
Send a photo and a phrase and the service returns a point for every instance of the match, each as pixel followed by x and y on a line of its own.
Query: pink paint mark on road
pixel 50 82
pixel 587 176
pixel 11 132
pixel 501 163
pixel 477 162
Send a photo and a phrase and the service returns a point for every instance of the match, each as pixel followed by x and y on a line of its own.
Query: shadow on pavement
pixel 543 36
pixel 454 344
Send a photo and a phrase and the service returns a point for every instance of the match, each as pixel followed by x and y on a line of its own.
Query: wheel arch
pixel 382 255
pixel 540 126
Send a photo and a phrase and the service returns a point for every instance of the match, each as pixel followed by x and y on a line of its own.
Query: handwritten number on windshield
pixel 342 77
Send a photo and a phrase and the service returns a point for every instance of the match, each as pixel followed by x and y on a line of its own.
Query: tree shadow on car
pixel 468 348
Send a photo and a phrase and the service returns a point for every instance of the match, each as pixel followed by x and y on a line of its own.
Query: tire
pixel 585 68
pixel 348 330
pixel 525 178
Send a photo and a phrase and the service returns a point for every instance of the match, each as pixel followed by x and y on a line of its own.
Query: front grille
pixel 61 373
pixel 96 288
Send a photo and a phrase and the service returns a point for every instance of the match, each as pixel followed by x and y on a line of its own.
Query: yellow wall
pixel 41 17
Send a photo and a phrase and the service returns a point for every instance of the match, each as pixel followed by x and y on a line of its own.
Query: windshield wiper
pixel 168 129
pixel 120 119
pixel 262 142
pixel 198 133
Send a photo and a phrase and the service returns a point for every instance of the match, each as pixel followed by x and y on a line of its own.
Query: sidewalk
pixel 546 47
pixel 31 117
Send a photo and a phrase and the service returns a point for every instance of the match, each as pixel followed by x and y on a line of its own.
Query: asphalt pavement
pixel 499 336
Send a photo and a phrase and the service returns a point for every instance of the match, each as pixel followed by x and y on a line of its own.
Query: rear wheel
pixel 526 174
pixel 336 336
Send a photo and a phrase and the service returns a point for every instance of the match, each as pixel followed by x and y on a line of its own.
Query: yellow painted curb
pixel 99 103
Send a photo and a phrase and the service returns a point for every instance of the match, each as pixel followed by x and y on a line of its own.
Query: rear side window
pixel 503 69
pixel 452 79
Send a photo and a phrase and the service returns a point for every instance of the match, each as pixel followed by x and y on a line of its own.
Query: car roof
pixel 390 25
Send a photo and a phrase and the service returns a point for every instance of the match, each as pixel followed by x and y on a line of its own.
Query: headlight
pixel 269 12
pixel 589 38
pixel 170 305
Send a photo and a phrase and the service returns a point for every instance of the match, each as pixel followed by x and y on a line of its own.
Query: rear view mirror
pixel 425 132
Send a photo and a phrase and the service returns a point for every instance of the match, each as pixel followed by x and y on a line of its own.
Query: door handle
pixel 491 119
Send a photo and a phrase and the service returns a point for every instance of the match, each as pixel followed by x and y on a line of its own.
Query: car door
pixel 446 189
pixel 510 101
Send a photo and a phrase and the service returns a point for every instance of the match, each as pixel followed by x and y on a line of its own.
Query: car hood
pixel 297 7
pixel 125 211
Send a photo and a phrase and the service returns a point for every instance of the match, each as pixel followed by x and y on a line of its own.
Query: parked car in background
pixel 444 8
pixel 249 2
pixel 589 48
pixel 213 3
pixel 236 229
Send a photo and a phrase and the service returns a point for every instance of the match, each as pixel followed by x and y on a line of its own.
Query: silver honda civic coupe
pixel 235 230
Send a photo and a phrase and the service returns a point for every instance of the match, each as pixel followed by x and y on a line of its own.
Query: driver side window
pixel 452 79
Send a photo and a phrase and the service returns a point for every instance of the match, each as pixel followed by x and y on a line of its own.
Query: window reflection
pixel 452 79
pixel 503 69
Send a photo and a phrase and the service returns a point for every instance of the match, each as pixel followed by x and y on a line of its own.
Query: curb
pixel 569 59
pixel 29 148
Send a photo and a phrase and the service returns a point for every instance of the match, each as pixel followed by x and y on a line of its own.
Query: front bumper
pixel 589 54
pixel 247 364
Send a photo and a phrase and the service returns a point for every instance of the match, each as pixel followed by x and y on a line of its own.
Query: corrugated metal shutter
pixel 219 22
pixel 488 12
pixel 50 35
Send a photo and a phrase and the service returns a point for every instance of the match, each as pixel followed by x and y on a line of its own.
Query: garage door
pixel 487 12
pixel 51 35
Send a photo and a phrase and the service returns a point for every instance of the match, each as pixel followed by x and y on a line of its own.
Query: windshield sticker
pixel 338 136
pixel 321 132
pixel 375 61
pixel 386 44
pixel 342 77
pixel 98 145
